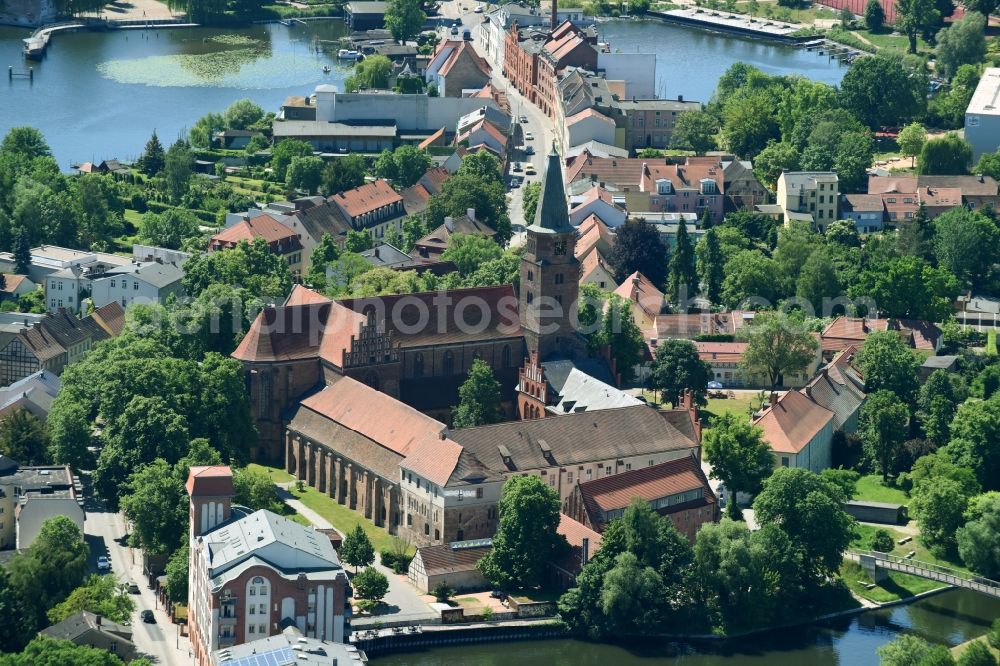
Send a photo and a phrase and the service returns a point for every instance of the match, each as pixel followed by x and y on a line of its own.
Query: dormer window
pixel 664 186
pixel 708 186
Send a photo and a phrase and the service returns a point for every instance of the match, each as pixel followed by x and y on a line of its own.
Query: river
pixel 98 95
pixel 949 618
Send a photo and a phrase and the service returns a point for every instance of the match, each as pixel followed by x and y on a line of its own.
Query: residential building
pixel 588 125
pixel 982 117
pixel 677 490
pixel 90 630
pixel 561 387
pixel 595 234
pixel 799 432
pixel 742 189
pixel 452 564
pixel 809 196
pixel 695 324
pixel 635 71
pixel 289 648
pixel 496 24
pixel 417 196
pixel 52 343
pixel 362 15
pixel 281 240
pixel 139 282
pixel 726 362
pixel 145 253
pixel 11 324
pixel 33 394
pixel 583 543
pixel 597 202
pixel 253 574
pixel 434 244
pixel 645 300
pixel 484 135
pixel 15 286
pixel 902 194
pixel 693 187
pixel 595 269
pixel 844 332
pixel 31 495
pixel 111 318
pixel 298 107
pixel 384 255
pixel 234 139
pixel 455 67
pixel 867 211
pixel 839 388
pixel 932 364
pixel 372 207
pixel 63 272
pixel 649 123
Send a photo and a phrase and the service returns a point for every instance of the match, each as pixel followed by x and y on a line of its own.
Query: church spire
pixel 552 215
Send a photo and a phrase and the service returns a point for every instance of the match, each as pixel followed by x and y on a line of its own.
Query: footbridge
pixel 877 565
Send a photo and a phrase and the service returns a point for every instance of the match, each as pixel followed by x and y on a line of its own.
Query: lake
pixel 949 618
pixel 99 95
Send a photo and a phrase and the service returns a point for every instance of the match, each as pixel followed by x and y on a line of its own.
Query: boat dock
pixel 833 49
pixel 36 45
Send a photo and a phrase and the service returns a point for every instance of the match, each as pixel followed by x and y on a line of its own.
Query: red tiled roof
pixel 376 415
pixel 844 331
pixel 792 422
pixel 575 532
pixel 728 352
pixel 647 483
pixel 111 317
pixel 458 49
pixel 11 281
pixel 304 296
pixel 432 140
pixel 637 288
pixel 210 481
pixel 591 262
pixel 261 226
pixel 434 458
pixel 594 233
pixel 367 198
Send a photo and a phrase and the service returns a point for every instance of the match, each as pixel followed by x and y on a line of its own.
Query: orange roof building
pixel 799 432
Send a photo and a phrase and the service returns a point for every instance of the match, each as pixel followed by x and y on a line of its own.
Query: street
pixel 105 534
pixel 540 125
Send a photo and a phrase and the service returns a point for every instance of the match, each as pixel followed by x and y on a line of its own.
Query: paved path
pixel 402 599
pixel 136 10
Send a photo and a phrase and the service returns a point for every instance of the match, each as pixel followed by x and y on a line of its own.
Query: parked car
pixel 528 136
pixel 148 617
pixel 132 587
pixel 515 183
pixel 524 120
pixel 530 170
pixel 454 30
pixel 103 563
pixel 478 9
pixel 516 168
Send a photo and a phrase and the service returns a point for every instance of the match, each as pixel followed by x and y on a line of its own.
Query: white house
pixel 588 125
pixel 596 201
pixel 799 432
pixel 148 282
pixel 31 495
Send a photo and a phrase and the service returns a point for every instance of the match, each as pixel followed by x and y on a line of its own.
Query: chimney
pixel 774 398
pixel 97 619
pixel 980 177
pixel 449 224
pixel 553 21
pixel 470 213
pixel 680 98
pixel 376 253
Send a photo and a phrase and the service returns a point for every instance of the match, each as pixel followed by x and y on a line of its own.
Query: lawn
pixel 896 586
pixel 277 475
pixel 893 42
pixel 957 651
pixel 871 489
pixel 739 406
pixel 922 553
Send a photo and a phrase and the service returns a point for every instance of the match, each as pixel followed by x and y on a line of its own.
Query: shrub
pixel 487 614
pixel 442 593
pixel 882 542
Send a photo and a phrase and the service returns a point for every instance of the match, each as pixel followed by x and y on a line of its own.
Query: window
pixel 479 493
pixel 135 286
pixel 263 609
pixel 559 278
pixel 628 466
pixel 505 357
pixel 650 463
pixel 784 461
pixel 449 362
pixel 590 474
pixel 531 276
pixel 461 495
pixel 251 629
pixel 112 284
pixel 569 477
pixel 427 529
pixel 253 609
pixel 607 470
pixel 253 591
pixel 529 297
pixel 262 629
pixel 437 534
pixel 114 647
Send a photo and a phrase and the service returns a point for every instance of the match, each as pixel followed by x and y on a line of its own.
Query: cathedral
pixel 418 348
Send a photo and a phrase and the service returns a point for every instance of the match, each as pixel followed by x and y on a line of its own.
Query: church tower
pixel 550 272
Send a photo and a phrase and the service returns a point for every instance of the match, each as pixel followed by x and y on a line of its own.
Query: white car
pixel 103 563
pixel 528 136
pixel 478 9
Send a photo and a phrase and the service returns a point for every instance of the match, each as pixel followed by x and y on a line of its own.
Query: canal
pixel 949 618
pixel 98 95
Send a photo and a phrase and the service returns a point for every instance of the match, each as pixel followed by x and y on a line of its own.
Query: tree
pixel 695 130
pixel 967 243
pixel 678 368
pixel 204 129
pixel 154 500
pixel 818 281
pixel 776 348
pixel 739 457
pixel 25 143
pixel 749 123
pixel 908 287
pixel 683 275
pixel 937 403
pixel 283 153
pixel 241 114
pixel 710 265
pixel 404 166
pixel 631 595
pixel 880 90
pixel 911 139
pixel 178 574
pixel 773 159
pixel 887 363
pixel 974 433
pixel 358 242
pixel 21 240
pixel 883 427
pixel 809 509
pixel 529 200
pixel 478 185
pixel 963 43
pixel 977 654
pixel 255 490
pixel 526 539
pixel 168 229
pixel 914 17
pixel 910 650
pixel 638 248
pixel 874 16
pixel 882 541
pixel 324 254
pixel 750 280
pixel 304 173
pixel 102 595
pixel 178 167
pixel 153 157
pixel 344 173
pixel 404 19
pixel 469 251
pixel 979 539
pixel 620 334
pixel 45 651
pixel 357 549
pixel 939 508
pixel 479 398
pixel 993 637
pixel 370 584
pixel 24 438
pixel 372 72
pixel 948 155
pixel 916 238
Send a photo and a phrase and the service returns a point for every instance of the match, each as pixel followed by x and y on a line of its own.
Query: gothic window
pixel 418 365
pixel 264 397
pixel 449 363
pixel 505 357
pixel 529 297
pixel 559 278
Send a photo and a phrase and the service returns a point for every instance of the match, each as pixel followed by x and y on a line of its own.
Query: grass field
pixel 896 586
pixel 739 406
pixel 921 552
pixel 871 489
pixel 277 475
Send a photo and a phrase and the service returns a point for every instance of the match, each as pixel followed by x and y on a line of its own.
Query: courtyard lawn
pixel 871 489
pixel 277 475
pixel 740 406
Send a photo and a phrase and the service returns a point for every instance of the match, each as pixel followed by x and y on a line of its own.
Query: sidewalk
pixel 402 598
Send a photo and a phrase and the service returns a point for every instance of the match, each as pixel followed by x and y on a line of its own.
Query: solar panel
pixel 280 657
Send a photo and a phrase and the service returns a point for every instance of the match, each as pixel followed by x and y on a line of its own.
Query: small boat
pixel 326 69
pixel 346 54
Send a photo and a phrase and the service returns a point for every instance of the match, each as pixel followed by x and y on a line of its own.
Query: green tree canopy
pixel 880 90
pixel 695 130
pixel 178 169
pixel 102 595
pixel 469 251
pixel 963 43
pixel 678 368
pixel 404 19
pixel 979 539
pixel 168 229
pixel 777 346
pixel 618 332
pixel 874 15
pixel 478 398
pixel 24 438
pixel 153 157
pixel 283 153
pixel 912 138
pixel 526 539
pixel 370 584
pixel 967 243
pixel 304 173
pixel 739 457
pixel 887 363
pixel 915 17
pixel 710 263
pixel 45 651
pixel 241 114
pixel 883 428
pixel 948 155
pixel 357 549
pixel 372 72
pixel 638 248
